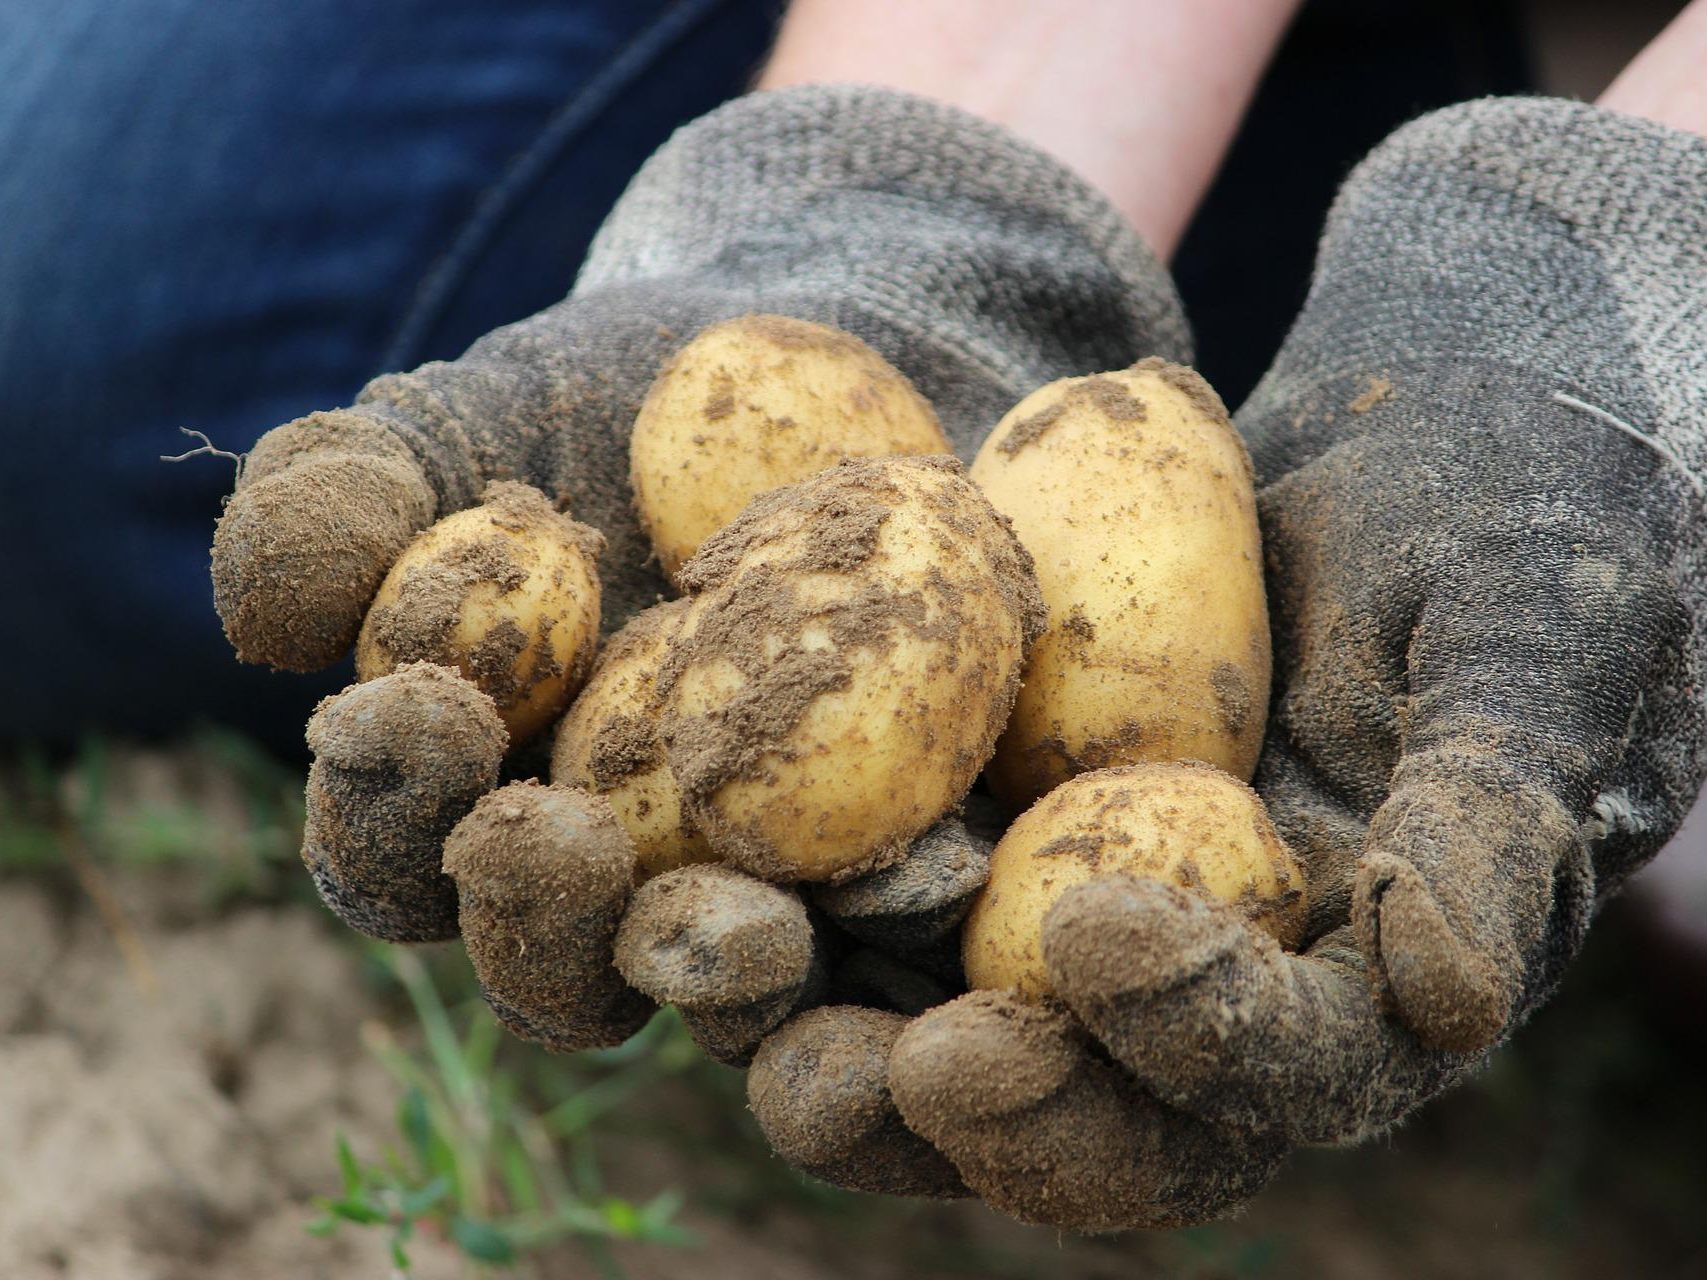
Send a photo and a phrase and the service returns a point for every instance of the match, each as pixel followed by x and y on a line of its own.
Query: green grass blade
pixel 482 1241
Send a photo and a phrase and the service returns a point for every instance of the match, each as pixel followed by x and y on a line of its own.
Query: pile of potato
pixel 867 629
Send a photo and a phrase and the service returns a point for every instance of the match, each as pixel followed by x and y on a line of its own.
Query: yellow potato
pixel 1133 493
pixel 608 744
pixel 755 403
pixel 1187 824
pixel 507 592
pixel 843 674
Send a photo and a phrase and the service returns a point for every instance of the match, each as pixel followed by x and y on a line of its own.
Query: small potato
pixel 608 744
pixel 843 673
pixel 1133 493
pixel 755 403
pixel 506 592
pixel 1188 824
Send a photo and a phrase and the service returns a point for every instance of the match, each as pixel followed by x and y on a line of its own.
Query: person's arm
pixel 1140 97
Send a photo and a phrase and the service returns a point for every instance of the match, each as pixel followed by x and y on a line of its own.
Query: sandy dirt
pixel 167 1114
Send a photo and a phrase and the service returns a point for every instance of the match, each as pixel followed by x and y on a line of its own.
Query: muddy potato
pixel 846 666
pixel 755 403
pixel 608 744
pixel 1188 824
pixel 1134 496
pixel 506 592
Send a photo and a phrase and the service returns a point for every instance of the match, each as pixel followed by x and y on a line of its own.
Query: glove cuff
pixel 939 214
pixel 1535 234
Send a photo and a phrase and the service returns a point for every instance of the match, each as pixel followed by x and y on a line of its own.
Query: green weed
pixel 485 1162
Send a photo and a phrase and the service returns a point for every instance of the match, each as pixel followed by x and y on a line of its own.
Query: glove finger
pixel 878 980
pixel 735 954
pixel 1214 1018
pixel 398 762
pixel 543 875
pixel 819 1089
pixel 1458 947
pixel 1475 885
pixel 917 901
pixel 1049 1132
pixel 324 506
pixel 1469 875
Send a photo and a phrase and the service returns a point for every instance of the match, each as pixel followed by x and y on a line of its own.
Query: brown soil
pixel 168 1117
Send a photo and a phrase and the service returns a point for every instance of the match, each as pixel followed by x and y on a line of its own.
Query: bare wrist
pixel 1666 81
pixel 1140 97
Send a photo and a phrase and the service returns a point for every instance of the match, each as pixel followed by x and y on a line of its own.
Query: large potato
pixel 1188 824
pixel 755 403
pixel 1133 494
pixel 506 592
pixel 608 744
pixel 846 669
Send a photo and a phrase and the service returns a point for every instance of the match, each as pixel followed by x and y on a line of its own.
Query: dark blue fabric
pixel 223 215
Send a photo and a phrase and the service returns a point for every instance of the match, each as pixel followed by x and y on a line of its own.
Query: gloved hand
pixel 1483 448
pixel 976 265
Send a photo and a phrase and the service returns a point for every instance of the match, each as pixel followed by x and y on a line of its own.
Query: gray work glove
pixel 976 265
pixel 1483 447
pixel 979 267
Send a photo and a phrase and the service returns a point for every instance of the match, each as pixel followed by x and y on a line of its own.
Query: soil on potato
pixel 168 1108
pixel 418 620
pixel 833 525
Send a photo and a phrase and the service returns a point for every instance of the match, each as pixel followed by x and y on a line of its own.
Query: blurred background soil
pixel 184 1033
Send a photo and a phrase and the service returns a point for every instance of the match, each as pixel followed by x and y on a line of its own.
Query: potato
pixel 755 403
pixel 846 669
pixel 608 744
pixel 1133 493
pixel 1188 824
pixel 506 592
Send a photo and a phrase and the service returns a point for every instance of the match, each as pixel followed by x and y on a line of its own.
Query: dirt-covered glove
pixel 978 266
pixel 1483 448
pixel 1484 443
